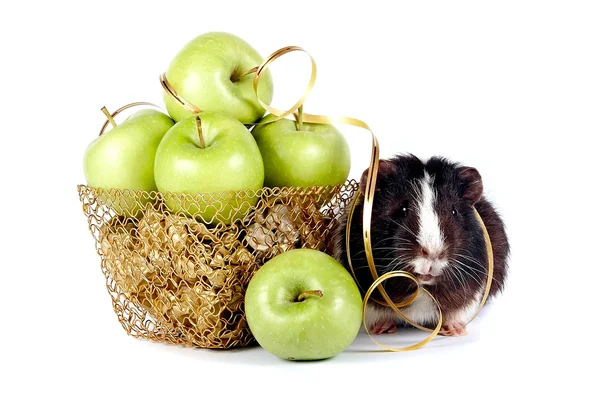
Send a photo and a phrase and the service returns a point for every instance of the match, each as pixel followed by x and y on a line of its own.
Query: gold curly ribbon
pixel 368 200
pixel 490 272
pixel 171 91
pixel 125 107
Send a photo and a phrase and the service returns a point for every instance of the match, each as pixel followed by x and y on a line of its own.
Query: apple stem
pixel 308 293
pixel 250 71
pixel 237 75
pixel 300 111
pixel 200 136
pixel 109 116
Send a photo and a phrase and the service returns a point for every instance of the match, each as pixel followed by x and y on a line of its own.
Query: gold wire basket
pixel 176 278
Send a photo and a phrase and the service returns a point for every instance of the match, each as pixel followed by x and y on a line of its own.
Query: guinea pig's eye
pixel 404 209
pixel 454 212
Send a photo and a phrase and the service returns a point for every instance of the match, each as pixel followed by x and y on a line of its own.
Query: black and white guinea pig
pixel 423 222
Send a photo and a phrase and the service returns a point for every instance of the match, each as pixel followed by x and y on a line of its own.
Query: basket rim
pixel 276 189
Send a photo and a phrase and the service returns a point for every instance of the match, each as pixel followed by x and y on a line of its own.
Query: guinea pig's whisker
pixel 400 266
pixel 451 280
pixel 403 226
pixel 396 262
pixel 387 258
pixel 384 248
pixel 409 230
pixel 383 240
pixel 454 284
pixel 472 260
pixel 481 272
pixel 459 273
pixel 451 274
pixel 466 251
pixel 476 262
pixel 462 267
pixel 459 278
pixel 474 270
pixel 382 269
pixel 374 246
pixel 465 269
pixel 470 257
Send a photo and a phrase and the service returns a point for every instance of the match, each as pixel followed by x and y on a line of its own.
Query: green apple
pixel 307 155
pixel 123 158
pixel 211 153
pixel 303 305
pixel 208 72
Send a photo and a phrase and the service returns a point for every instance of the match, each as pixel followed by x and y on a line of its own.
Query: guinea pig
pixel 423 223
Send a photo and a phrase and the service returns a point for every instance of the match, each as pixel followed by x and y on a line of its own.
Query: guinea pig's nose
pixel 433 255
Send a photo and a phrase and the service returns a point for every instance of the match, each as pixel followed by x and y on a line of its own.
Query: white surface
pixel 512 88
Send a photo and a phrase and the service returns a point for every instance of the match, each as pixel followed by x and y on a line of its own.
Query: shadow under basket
pixel 177 266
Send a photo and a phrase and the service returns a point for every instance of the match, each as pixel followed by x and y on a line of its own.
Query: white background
pixel 510 87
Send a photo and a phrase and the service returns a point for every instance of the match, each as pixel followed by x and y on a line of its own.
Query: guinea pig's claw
pixel 384 326
pixel 454 328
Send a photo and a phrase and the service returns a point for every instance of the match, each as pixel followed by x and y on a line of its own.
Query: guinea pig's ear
pixel 386 168
pixel 470 184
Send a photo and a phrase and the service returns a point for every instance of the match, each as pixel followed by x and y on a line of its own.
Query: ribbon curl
pixel 367 204
pixel 125 107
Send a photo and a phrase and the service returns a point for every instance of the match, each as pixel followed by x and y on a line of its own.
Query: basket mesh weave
pixel 178 278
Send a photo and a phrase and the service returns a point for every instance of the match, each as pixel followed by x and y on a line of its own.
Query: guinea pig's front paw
pixel 382 326
pixel 454 328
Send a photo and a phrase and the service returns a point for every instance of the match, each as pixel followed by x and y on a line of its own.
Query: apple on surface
pixel 123 158
pixel 301 155
pixel 210 153
pixel 209 72
pixel 303 305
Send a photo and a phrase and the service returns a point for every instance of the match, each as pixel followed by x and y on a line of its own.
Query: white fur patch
pixel 377 314
pixel 466 313
pixel 421 311
pixel 430 235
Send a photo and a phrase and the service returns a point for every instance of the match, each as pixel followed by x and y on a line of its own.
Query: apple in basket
pixel 211 72
pixel 303 305
pixel 123 158
pixel 302 154
pixel 214 155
